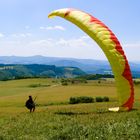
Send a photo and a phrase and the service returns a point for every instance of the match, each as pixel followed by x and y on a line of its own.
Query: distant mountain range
pixel 89 66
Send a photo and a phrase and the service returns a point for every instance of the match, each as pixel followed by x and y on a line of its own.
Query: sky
pixel 25 29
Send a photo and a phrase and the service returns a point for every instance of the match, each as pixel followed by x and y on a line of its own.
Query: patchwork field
pixel 55 119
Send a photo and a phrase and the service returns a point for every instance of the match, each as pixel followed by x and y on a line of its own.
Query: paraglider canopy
pixel 111 47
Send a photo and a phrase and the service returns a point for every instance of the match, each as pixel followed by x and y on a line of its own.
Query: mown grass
pixel 65 122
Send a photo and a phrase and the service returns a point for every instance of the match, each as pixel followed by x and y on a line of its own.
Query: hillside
pixel 18 71
pixel 89 66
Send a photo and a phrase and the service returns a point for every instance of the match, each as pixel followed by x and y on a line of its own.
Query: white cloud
pixel 81 47
pixel 21 35
pixel 1 35
pixel 41 43
pixel 85 37
pixel 14 35
pixel 59 28
pixel 27 27
pixel 25 34
pixel 52 28
pixel 132 51
pixel 132 45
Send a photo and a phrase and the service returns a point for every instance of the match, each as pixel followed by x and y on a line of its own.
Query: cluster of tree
pixel 66 81
pixel 136 74
pixel 136 82
pixel 95 76
pixel 86 99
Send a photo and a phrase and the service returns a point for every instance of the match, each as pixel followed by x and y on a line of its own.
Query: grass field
pixel 55 119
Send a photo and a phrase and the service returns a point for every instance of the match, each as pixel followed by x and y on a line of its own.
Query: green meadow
pixel 56 119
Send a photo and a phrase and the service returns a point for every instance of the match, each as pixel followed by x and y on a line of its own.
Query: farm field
pixel 55 119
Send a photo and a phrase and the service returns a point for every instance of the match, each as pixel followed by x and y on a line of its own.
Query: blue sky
pixel 25 29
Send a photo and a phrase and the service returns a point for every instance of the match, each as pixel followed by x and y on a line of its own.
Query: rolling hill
pixel 89 66
pixel 18 71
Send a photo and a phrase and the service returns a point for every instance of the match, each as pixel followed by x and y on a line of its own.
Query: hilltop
pixel 18 71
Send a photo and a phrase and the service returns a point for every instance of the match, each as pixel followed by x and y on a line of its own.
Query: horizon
pixel 29 32
pixel 75 58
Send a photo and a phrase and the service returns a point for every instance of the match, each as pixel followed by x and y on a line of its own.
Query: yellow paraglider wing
pixel 110 45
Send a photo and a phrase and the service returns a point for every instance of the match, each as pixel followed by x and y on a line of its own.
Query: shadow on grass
pixel 134 109
pixel 99 111
pixel 71 113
